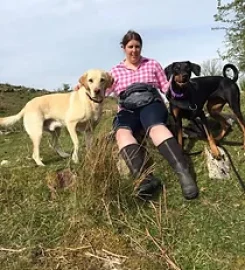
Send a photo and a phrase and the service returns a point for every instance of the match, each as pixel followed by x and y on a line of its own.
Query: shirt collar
pixel 142 60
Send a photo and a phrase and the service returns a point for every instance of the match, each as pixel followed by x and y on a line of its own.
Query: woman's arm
pixel 110 90
pixel 161 78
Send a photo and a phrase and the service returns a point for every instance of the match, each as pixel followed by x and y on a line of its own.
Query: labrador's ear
pixel 169 71
pixel 83 80
pixel 196 69
pixel 109 80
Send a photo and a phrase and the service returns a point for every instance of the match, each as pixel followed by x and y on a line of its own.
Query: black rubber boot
pixel 172 152
pixel 135 157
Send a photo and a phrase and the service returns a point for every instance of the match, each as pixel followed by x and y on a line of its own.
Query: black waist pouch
pixel 138 95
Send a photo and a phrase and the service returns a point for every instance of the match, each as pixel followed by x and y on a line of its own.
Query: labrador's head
pixel 96 81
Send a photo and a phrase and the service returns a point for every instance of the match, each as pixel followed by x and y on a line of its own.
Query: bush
pixel 242 84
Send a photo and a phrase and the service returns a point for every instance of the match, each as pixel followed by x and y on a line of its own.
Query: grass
pixel 98 224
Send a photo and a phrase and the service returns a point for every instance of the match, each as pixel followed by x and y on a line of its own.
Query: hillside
pixel 93 222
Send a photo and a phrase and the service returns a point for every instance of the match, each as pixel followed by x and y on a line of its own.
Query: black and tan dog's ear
pixel 196 69
pixel 109 80
pixel 83 80
pixel 169 71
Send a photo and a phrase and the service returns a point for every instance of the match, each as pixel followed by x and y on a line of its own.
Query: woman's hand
pixel 77 87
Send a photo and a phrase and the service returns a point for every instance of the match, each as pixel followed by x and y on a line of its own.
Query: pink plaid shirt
pixel 149 71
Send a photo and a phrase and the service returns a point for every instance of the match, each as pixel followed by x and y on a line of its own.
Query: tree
pixel 211 67
pixel 66 87
pixel 232 15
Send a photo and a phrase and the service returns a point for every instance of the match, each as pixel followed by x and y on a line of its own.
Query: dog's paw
pixel 38 160
pixel 217 156
pixel 75 159
pixel 64 154
pixel 39 163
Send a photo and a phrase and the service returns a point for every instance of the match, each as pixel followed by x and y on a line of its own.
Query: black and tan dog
pixel 187 97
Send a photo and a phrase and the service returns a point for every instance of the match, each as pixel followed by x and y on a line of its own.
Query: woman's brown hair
pixel 130 35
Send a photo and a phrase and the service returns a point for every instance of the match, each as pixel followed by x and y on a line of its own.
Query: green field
pixel 96 223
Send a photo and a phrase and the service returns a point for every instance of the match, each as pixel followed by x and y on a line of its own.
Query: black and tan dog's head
pixel 181 71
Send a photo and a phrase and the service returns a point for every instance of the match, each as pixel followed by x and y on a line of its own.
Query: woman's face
pixel 132 51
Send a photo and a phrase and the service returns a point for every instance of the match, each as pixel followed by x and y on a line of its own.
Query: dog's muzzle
pixel 181 80
pixel 97 99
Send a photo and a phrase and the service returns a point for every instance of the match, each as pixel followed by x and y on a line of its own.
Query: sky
pixel 45 43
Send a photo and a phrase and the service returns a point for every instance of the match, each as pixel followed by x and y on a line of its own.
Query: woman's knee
pixel 122 133
pixel 159 133
pixel 124 137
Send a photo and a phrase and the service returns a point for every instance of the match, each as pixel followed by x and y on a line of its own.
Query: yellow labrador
pixel 77 110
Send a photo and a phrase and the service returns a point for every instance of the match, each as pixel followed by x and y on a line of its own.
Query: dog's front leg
pixel 71 127
pixel 214 149
pixel 178 125
pixel 180 132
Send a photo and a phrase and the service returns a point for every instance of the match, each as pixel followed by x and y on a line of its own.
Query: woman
pixel 151 119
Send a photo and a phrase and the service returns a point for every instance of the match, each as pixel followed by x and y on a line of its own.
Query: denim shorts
pixel 142 119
